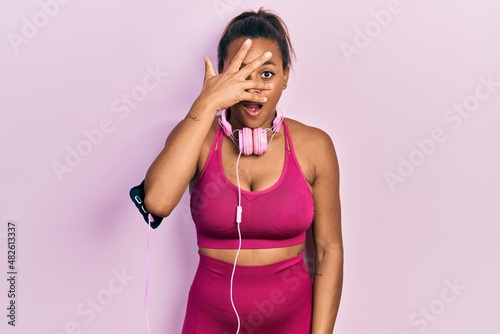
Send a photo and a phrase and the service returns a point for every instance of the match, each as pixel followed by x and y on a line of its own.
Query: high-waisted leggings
pixel 274 298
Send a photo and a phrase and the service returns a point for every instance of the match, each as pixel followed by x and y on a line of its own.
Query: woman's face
pixel 249 114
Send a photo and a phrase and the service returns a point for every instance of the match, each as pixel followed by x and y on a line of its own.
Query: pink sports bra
pixel 274 217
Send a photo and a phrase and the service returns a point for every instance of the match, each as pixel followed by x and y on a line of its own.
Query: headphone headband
pixel 228 129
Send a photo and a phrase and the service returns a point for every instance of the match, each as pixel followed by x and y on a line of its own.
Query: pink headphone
pixel 251 141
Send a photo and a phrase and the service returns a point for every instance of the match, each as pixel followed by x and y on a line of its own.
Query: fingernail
pixel 265 99
pixel 248 41
pixel 270 86
pixel 268 54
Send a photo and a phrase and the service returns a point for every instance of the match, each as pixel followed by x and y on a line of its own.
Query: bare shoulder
pixel 314 149
pixel 309 137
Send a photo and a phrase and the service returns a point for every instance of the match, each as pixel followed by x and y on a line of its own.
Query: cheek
pixel 274 94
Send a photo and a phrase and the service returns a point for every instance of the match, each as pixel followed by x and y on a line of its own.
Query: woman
pixel 254 193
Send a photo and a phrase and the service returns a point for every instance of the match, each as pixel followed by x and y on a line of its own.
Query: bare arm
pixel 169 175
pixel 327 285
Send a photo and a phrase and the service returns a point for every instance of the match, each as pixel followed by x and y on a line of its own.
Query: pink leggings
pixel 275 298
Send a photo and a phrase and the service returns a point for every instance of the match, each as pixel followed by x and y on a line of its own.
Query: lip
pixel 251 108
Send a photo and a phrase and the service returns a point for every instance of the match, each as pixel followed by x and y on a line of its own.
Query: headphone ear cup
pixel 259 141
pixel 246 141
pixel 251 141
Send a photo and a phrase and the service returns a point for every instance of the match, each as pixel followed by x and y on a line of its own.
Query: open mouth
pixel 252 108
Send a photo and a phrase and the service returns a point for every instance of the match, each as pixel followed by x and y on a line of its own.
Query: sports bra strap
pixel 216 142
pixel 288 137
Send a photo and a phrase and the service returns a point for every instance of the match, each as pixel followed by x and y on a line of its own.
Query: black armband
pixel 137 196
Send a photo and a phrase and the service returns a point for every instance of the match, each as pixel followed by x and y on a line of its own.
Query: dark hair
pixel 260 24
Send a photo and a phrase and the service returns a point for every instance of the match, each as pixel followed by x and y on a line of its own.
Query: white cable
pixel 238 221
pixel 239 211
pixel 270 140
pixel 239 185
pixel 150 219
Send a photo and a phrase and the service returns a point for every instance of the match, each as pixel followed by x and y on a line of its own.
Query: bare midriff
pixel 255 257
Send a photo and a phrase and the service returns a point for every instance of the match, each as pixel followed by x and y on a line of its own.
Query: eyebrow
pixel 269 62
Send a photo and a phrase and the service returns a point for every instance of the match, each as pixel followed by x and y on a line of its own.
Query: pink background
pixel 421 252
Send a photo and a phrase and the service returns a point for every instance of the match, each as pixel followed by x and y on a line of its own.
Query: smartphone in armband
pixel 137 196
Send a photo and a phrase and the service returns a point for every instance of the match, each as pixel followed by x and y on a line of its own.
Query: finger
pixel 256 63
pixel 209 68
pixel 236 62
pixel 250 97
pixel 252 84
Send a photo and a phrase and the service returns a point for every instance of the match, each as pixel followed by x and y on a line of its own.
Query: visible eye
pixel 267 74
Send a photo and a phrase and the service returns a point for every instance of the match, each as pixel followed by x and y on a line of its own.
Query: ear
pixel 286 73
